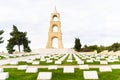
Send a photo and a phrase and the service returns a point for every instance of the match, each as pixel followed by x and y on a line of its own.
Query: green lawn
pixel 15 74
pixel 2 57
pixel 58 74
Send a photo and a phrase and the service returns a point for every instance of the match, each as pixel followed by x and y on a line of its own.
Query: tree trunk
pixel 19 48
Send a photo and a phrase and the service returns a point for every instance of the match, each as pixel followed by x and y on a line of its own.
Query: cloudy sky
pixel 93 21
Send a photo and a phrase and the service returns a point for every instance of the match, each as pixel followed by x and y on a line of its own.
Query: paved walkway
pixel 59 66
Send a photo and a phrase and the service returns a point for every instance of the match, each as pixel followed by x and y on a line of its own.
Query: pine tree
pixel 18 38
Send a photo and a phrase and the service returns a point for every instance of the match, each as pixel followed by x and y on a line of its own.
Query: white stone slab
pixel 4 75
pixel 102 57
pixel 115 66
pixel 4 62
pixel 14 62
pixel 103 62
pixel 22 67
pixel 116 60
pixel 35 62
pixel 58 62
pixel 32 70
pixel 44 76
pixel 56 58
pixel 68 69
pixel 47 58
pixel 83 57
pixel 89 61
pixel 105 69
pixel 52 67
pixel 80 62
pixel 32 58
pixel 1 70
pixel 42 59
pixel 109 60
pixel 29 61
pixel 69 60
pixel 49 61
pixel 90 75
pixel 97 60
pixel 83 67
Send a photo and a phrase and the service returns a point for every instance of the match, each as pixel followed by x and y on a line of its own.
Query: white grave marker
pixel 32 70
pixel 44 76
pixel 68 69
pixel 49 61
pixel 69 60
pixel 14 62
pixel 4 75
pixel 1 70
pixel 80 62
pixel 90 75
pixel 115 66
pixel 89 61
pixel 83 66
pixel 35 62
pixel 52 67
pixel 58 62
pixel 29 61
pixel 103 62
pixel 105 69
pixel 22 67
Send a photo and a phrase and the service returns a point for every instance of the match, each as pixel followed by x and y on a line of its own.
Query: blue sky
pixel 93 21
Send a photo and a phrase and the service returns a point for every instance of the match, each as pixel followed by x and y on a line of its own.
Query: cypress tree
pixel 77 45
pixel 1 32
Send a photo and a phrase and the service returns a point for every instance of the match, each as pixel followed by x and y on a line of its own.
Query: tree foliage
pixel 1 32
pixel 77 45
pixel 18 38
pixel 93 48
pixel 114 47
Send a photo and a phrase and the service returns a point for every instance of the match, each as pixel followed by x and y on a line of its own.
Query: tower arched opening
pixel 55 29
pixel 55 42
pixel 55 18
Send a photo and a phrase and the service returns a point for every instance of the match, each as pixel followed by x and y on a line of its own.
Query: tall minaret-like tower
pixel 54 22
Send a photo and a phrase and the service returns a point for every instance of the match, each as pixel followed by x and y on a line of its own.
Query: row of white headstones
pixel 6 56
pixel 98 57
pixel 66 69
pixel 59 58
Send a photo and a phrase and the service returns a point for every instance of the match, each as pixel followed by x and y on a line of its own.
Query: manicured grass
pixel 114 75
pixel 15 74
pixel 58 74
pixel 69 63
pixel 24 63
pixel 2 57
